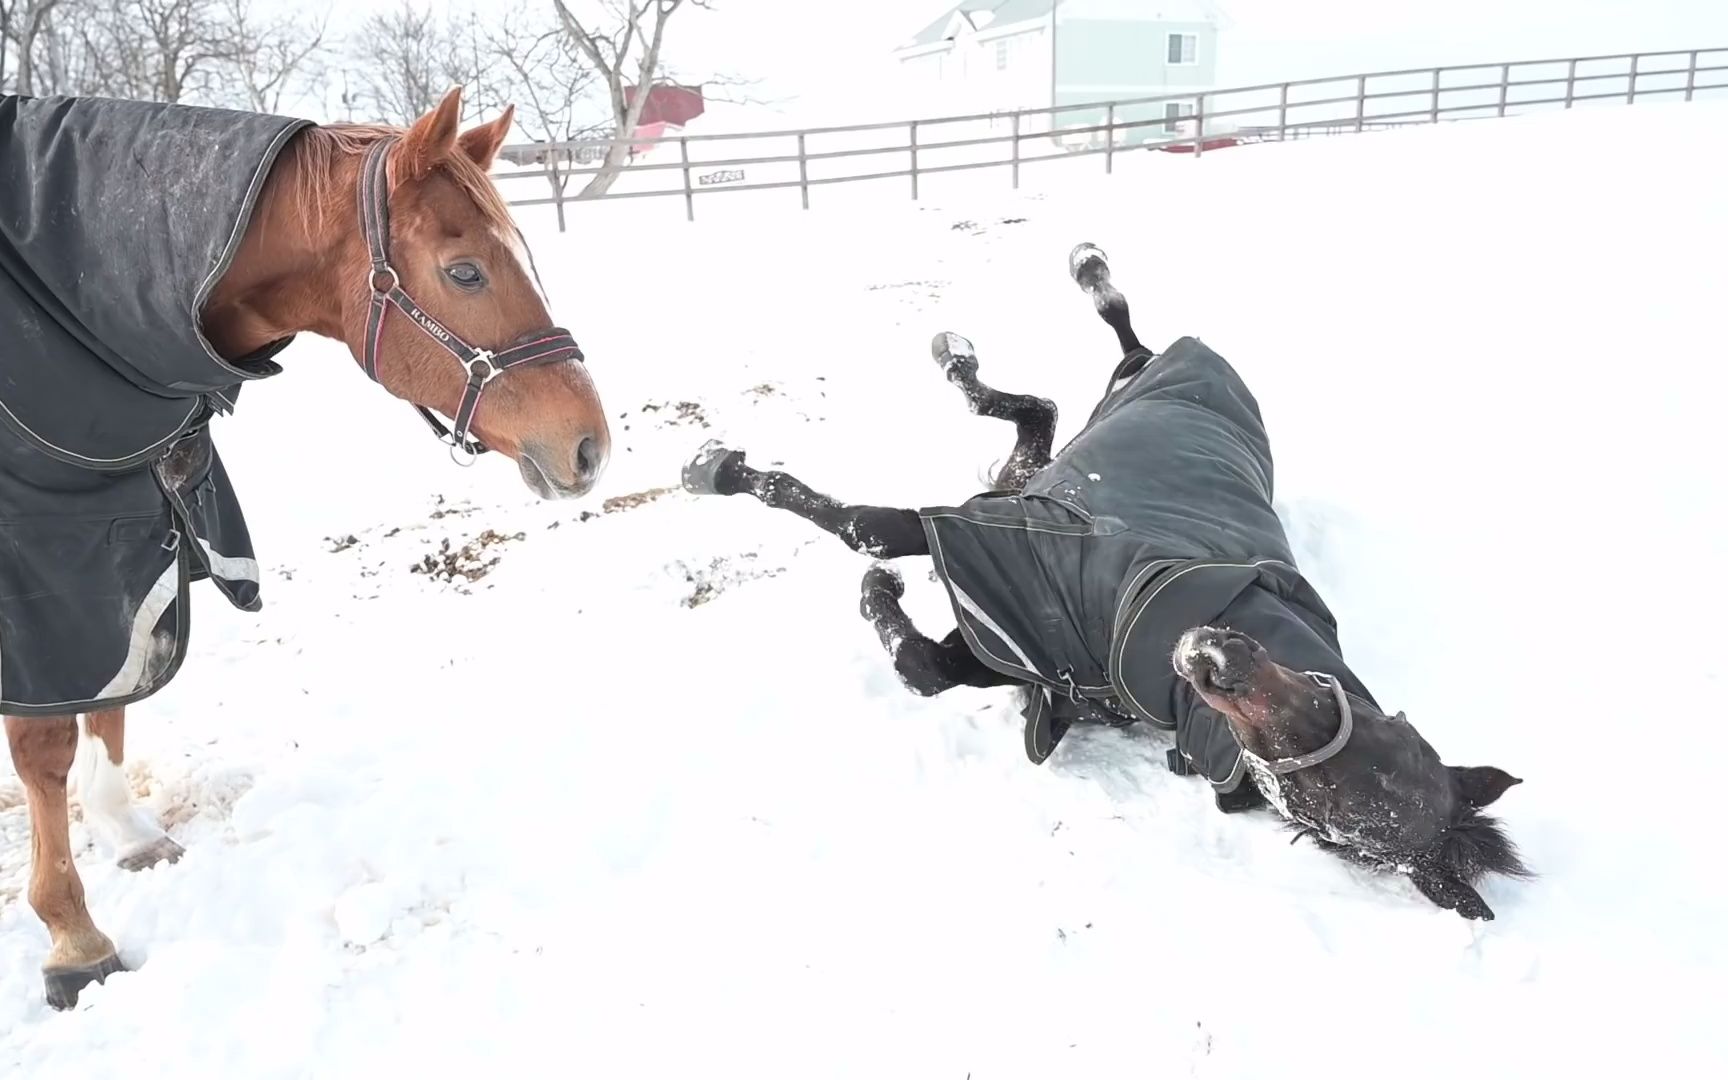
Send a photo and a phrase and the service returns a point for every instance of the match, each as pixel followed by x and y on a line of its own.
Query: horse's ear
pixel 1480 785
pixel 481 144
pixel 431 139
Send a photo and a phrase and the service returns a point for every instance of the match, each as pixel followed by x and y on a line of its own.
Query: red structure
pixel 668 106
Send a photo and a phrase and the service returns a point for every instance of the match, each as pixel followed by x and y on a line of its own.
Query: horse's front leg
pixel 134 837
pixel 926 667
pixel 881 531
pixel 42 751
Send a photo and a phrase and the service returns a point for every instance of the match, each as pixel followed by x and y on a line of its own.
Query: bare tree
pixel 21 25
pixel 154 50
pixel 532 63
pixel 269 57
pixel 411 61
pixel 630 39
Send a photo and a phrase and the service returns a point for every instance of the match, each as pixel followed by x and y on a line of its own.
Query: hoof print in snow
pixel 682 413
pixel 468 563
pixel 721 574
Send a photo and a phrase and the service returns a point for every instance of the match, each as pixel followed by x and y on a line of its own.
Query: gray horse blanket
pixel 117 219
pixel 1156 518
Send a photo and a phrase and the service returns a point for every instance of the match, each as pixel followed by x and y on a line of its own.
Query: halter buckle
pixel 395 280
pixel 483 367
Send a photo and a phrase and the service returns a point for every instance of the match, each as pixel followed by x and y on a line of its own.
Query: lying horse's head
pixel 423 224
pixel 1364 784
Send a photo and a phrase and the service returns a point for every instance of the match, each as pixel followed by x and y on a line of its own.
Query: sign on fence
pixel 720 176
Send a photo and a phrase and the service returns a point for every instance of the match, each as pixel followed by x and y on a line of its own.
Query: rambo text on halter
pixel 481 365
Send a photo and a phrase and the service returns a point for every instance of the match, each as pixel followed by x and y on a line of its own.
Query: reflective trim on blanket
pixel 131 676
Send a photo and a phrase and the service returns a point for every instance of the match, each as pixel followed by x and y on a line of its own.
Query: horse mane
pixel 322 149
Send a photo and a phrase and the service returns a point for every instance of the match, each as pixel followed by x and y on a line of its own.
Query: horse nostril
pixel 588 458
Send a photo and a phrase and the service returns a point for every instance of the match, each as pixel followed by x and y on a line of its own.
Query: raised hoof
pixel 953 352
pixel 702 472
pixel 63 986
pixel 881 585
pixel 158 851
pixel 1088 266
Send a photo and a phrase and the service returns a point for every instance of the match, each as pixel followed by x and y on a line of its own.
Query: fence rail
pixel 1186 123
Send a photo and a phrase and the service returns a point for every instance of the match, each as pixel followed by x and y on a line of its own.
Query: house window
pixel 1002 55
pixel 1173 111
pixel 1183 48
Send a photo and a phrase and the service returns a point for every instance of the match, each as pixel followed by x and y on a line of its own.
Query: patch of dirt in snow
pixel 635 499
pixel 722 573
pixel 468 563
pixel 682 413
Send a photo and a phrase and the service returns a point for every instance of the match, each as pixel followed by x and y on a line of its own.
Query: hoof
pixel 951 352
pixel 157 851
pixel 1088 266
pixel 702 471
pixel 881 586
pixel 63 985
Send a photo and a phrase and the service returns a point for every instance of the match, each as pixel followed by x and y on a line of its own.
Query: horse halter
pixel 1346 724
pixel 480 365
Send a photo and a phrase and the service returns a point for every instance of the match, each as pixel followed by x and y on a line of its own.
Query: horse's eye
pixel 466 275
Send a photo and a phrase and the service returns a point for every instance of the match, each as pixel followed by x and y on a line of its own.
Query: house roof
pixel 982 14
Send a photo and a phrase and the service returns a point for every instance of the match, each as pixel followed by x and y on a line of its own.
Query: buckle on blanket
pixel 171 543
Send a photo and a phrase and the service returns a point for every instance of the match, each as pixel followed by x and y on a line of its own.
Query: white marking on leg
pixel 119 824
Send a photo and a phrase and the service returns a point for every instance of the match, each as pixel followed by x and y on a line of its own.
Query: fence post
pixel 1434 104
pixel 1571 81
pixel 689 192
pixel 803 173
pixel 1110 133
pixel 1505 84
pixel 914 147
pixel 1632 82
pixel 1016 154
pixel 1691 74
pixel 1283 109
pixel 1199 126
pixel 1361 99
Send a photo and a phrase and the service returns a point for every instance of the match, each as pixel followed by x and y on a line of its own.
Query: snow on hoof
pixel 702 471
pixel 62 985
pixel 1088 266
pixel 162 849
pixel 883 579
pixel 949 350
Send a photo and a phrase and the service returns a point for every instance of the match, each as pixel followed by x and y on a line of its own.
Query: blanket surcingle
pixel 1156 518
pixel 117 219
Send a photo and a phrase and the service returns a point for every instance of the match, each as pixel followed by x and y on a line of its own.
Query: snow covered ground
pixel 645 799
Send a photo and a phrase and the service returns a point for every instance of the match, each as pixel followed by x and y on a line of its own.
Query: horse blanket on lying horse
pixel 112 496
pixel 1157 517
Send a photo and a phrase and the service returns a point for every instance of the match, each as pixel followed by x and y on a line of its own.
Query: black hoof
pixel 62 986
pixel 883 579
pixel 953 352
pixel 1088 266
pixel 702 471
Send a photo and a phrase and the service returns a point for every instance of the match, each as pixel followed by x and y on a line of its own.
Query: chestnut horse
pixel 310 262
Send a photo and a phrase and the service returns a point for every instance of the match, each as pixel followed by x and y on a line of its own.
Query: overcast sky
pixel 825 60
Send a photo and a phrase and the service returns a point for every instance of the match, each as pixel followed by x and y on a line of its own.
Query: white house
pixel 989 56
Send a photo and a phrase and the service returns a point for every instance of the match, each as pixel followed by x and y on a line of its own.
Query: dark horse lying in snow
pixel 1143 575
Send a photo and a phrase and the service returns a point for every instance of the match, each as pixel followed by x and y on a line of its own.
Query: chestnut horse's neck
pixel 300 245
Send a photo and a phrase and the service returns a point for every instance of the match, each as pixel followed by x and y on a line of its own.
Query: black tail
pixel 1091 271
pixel 1478 846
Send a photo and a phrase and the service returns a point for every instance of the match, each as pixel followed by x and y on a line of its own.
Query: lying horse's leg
pixel 881 531
pixel 1034 418
pixel 42 751
pixel 926 667
pixel 1091 271
pixel 136 840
